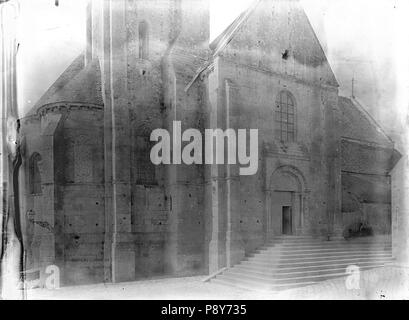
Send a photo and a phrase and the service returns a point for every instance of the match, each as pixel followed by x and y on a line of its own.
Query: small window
pixel 143 40
pixel 34 174
pixel 285 113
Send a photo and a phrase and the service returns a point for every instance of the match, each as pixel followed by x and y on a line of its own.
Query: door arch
pixel 286 201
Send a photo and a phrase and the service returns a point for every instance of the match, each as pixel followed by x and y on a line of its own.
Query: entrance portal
pixel 286 200
pixel 287 220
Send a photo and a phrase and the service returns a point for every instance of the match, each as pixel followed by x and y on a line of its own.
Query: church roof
pixel 77 84
pixel 186 62
pixel 224 38
pixel 358 124
pixel 305 46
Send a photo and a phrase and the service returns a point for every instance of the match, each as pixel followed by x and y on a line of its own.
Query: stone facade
pixel 367 157
pixel 106 213
pixel 400 223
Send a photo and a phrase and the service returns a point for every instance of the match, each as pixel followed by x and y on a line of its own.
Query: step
pixel 252 286
pixel 283 269
pixel 290 262
pixel 320 246
pixel 325 245
pixel 315 262
pixel 230 284
pixel 297 259
pixel 307 259
pixel 320 250
pixel 244 281
pixel 366 240
pixel 333 238
pixel 304 273
pixel 287 280
pixel 312 252
pixel 288 256
pixel 329 242
pixel 324 238
pixel 264 283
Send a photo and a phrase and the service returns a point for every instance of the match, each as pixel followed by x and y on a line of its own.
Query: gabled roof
pixel 305 49
pixel 76 84
pixel 358 124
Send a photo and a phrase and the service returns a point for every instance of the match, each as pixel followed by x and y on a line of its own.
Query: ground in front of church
pixel 385 283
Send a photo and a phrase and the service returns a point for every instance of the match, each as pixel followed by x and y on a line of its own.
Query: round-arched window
pixel 143 31
pixel 285 117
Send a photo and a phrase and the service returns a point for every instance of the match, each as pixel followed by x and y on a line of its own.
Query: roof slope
pixel 267 29
pixel 76 84
pixel 186 61
pixel 224 38
pixel 357 124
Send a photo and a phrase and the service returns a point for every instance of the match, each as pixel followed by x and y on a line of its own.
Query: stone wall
pixel 254 103
pixel 37 209
pixel 171 236
pixel 400 221
pixel 79 196
pixel 114 216
pixel 365 178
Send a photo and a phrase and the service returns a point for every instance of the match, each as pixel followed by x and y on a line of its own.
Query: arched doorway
pixel 286 202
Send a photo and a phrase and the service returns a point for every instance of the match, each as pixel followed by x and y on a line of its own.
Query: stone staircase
pixel 287 262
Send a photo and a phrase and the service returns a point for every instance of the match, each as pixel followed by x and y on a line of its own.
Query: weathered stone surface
pixel 114 216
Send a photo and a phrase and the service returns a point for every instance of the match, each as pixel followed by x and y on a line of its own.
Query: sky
pixel 363 39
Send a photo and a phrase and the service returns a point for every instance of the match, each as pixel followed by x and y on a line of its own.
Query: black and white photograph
pixel 204 150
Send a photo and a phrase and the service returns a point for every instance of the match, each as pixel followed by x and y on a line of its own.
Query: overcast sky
pixel 364 39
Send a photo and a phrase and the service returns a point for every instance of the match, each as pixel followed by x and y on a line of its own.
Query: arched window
pixel 143 40
pixel 285 116
pixel 34 174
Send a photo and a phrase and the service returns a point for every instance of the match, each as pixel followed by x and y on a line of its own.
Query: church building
pixel 96 206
